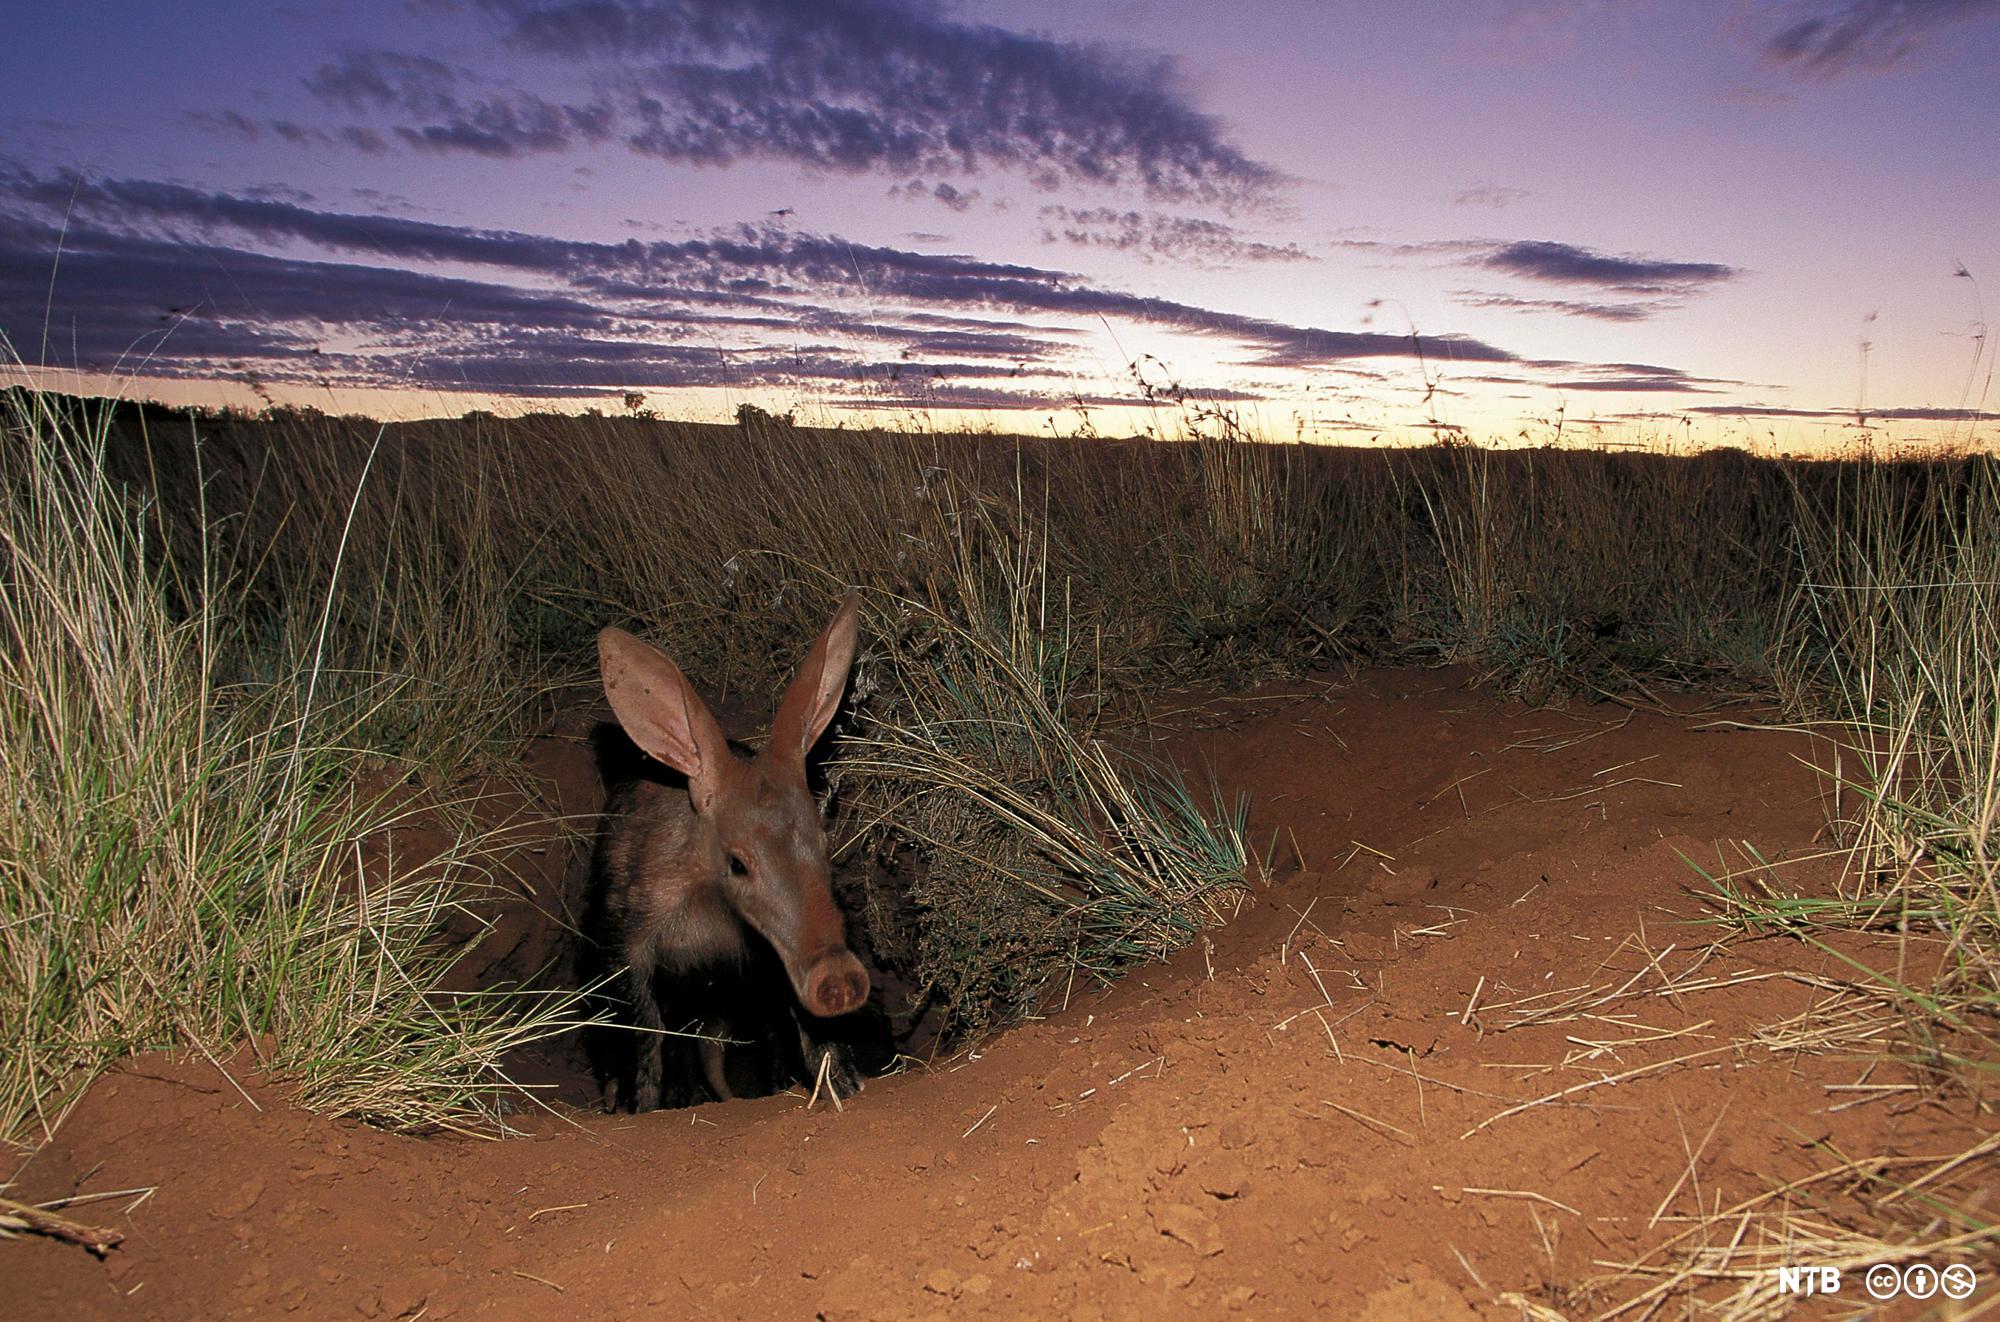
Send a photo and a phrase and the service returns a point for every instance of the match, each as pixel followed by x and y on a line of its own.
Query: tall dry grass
pixel 1898 628
pixel 1889 650
pixel 1039 853
pixel 1019 589
pixel 179 846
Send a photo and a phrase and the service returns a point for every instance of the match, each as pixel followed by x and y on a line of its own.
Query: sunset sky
pixel 1716 222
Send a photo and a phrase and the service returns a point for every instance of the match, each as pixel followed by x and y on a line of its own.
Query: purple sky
pixel 1707 221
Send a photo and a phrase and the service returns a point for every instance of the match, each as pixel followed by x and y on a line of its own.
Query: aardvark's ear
pixel 662 712
pixel 814 694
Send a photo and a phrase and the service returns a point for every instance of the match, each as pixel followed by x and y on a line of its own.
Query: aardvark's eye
pixel 737 867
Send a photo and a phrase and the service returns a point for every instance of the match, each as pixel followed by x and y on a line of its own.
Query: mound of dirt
pixel 1475 1041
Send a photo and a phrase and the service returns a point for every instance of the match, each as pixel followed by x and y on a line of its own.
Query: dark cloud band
pixel 887 86
pixel 1564 263
pixel 1844 35
pixel 170 267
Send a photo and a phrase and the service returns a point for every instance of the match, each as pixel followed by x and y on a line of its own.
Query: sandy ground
pixel 1468 1044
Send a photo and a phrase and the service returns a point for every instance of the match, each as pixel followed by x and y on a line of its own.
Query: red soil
pixel 1294 1115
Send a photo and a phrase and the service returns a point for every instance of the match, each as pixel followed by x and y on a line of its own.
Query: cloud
pixel 1925 413
pixel 1629 377
pixel 176 209
pixel 225 123
pixel 1649 285
pixel 211 283
pixel 143 255
pixel 1152 236
pixel 1420 248
pixel 1837 38
pixel 510 128
pixel 893 87
pixel 941 321
pixel 459 111
pixel 1304 347
pixel 135 304
pixel 955 198
pixel 385 79
pixel 890 86
pixel 1618 312
pixel 1553 262
pixel 1565 263
pixel 1497 196
pixel 744 267
pixel 378 80
pixel 978 344
pixel 364 140
pixel 300 135
pixel 384 200
pixel 1608 378
pixel 896 399
pixel 586 364
pixel 177 277
pixel 234 124
pixel 946 396
pixel 944 194
pixel 1931 413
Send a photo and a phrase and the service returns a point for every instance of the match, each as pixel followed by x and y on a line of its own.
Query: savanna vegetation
pixel 221 631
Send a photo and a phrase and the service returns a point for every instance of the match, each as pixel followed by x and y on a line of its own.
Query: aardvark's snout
pixel 835 984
